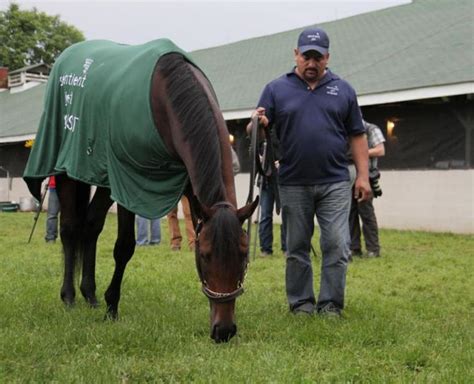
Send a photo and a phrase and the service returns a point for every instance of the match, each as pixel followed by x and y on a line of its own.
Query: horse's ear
pixel 245 212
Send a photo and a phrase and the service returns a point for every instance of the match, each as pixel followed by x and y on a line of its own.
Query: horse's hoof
pixel 111 316
pixel 93 303
pixel 68 301
pixel 69 304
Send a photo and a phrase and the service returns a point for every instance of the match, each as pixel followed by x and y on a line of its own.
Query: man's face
pixel 311 65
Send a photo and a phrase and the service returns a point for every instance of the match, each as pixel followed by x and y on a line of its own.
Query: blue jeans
pixel 330 203
pixel 265 229
pixel 52 219
pixel 142 231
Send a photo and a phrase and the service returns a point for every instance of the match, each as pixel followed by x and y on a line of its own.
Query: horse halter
pixel 217 297
pixel 222 297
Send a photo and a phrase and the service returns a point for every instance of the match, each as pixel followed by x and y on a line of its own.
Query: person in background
pixel 316 117
pixel 173 224
pixel 268 184
pixel 53 211
pixel 153 237
pixel 365 209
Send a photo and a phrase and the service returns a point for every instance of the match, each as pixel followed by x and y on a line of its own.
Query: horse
pixel 186 117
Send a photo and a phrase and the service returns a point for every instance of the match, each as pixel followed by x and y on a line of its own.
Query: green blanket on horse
pixel 97 126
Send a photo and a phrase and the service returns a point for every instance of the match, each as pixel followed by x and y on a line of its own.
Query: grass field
pixel 408 318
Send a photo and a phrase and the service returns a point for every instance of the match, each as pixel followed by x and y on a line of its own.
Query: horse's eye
pixel 205 256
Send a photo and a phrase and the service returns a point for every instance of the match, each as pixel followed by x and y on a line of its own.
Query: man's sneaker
pixel 329 310
pixel 373 254
pixel 304 309
pixel 265 254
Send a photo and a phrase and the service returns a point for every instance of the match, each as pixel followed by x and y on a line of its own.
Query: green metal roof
pixel 422 44
pixel 20 112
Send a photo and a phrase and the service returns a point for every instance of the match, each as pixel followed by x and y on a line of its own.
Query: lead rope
pixel 253 171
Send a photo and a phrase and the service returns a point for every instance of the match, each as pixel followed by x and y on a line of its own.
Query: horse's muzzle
pixel 222 333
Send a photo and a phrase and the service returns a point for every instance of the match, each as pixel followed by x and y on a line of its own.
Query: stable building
pixel 412 68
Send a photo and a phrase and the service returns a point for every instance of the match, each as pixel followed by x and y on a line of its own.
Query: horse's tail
pixel 76 255
pixel 78 258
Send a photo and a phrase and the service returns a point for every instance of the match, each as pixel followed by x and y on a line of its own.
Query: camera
pixel 374 176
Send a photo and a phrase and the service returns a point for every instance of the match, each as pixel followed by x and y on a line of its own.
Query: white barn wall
pixel 427 200
pixel 439 201
pixel 18 190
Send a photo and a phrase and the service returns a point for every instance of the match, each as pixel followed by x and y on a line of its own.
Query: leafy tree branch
pixel 32 37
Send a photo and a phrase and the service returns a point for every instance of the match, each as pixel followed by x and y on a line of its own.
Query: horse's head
pixel 221 259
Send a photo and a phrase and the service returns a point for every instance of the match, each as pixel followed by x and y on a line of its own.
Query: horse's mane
pixel 225 228
pixel 193 108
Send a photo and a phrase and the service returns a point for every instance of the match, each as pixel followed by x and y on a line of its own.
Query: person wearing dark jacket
pixel 365 209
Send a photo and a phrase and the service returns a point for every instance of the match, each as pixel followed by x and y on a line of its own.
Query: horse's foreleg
pixel 69 233
pixel 123 252
pixel 94 223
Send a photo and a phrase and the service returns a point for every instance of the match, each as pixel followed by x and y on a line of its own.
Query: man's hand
pixel 362 190
pixel 262 119
pixel 262 123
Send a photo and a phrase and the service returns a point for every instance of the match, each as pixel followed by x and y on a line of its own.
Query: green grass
pixel 408 318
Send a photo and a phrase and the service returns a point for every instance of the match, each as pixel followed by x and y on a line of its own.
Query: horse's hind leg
pixel 123 252
pixel 73 199
pixel 93 225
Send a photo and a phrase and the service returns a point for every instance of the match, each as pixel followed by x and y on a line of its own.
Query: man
pixel 268 200
pixel 316 116
pixel 265 225
pixel 154 235
pixel 173 224
pixel 365 209
pixel 53 211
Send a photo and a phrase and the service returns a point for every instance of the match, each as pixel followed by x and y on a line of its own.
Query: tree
pixel 32 37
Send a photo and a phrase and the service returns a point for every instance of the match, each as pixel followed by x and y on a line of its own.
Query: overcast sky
pixel 197 24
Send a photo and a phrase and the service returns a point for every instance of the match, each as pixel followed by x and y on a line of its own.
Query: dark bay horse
pixel 187 117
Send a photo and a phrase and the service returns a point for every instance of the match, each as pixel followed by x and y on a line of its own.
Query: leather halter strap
pixel 223 204
pixel 222 297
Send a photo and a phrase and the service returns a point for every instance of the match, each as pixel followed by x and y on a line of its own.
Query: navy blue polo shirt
pixel 313 127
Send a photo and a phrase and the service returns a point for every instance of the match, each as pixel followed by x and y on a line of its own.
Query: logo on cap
pixel 314 37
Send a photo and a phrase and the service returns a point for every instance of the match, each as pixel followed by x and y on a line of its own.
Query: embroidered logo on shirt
pixel 332 90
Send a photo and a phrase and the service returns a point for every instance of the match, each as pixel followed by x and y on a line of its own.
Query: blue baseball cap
pixel 313 39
